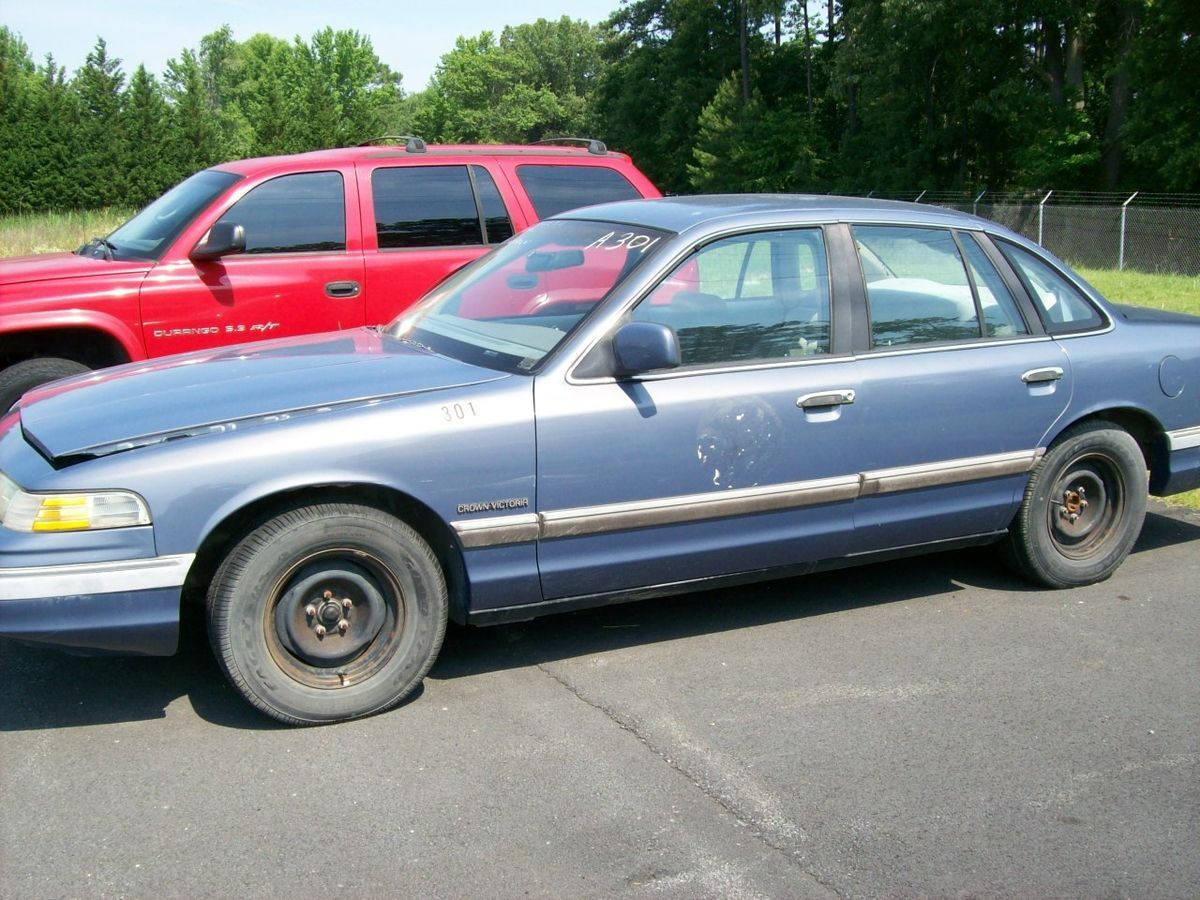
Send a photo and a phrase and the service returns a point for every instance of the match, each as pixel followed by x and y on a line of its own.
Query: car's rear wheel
pixel 327 612
pixel 1083 508
pixel 20 377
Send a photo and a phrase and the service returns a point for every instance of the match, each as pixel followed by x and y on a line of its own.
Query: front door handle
pixel 825 398
pixel 1041 376
pixel 342 289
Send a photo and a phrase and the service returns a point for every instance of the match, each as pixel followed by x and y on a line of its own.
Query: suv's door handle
pixel 825 398
pixel 340 289
pixel 1041 376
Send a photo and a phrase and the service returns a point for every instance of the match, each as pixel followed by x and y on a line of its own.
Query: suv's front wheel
pixel 21 377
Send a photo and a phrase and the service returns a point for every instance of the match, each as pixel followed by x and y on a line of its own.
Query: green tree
pixel 101 158
pixel 665 61
pixel 1163 131
pixel 535 81
pixel 194 140
pixel 338 91
pixel 145 120
pixel 18 97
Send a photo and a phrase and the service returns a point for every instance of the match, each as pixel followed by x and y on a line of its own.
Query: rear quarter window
pixel 1062 306
pixel 557 188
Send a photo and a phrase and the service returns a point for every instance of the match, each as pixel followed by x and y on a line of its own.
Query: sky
pixel 410 36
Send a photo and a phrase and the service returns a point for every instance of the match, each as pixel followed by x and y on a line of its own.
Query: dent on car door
pixel 739 460
pixel 959 389
pixel 300 271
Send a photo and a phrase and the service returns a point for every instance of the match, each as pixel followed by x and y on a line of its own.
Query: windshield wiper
pixel 107 249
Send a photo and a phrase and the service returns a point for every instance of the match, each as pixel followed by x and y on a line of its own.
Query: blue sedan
pixel 628 400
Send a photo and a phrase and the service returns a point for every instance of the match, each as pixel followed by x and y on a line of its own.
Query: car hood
pixel 229 389
pixel 51 266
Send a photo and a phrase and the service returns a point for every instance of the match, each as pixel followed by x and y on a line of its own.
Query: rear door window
pixel 425 206
pixel 558 188
pixel 917 286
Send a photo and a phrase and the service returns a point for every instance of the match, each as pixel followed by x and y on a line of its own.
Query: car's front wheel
pixel 327 612
pixel 1083 508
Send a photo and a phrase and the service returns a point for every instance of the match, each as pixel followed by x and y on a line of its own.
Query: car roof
pixel 718 211
pixel 441 152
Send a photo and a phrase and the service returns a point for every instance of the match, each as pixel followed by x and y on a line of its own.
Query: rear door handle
pixel 825 398
pixel 1041 376
pixel 342 289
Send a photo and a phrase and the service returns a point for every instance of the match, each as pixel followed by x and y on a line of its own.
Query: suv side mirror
pixel 643 347
pixel 223 239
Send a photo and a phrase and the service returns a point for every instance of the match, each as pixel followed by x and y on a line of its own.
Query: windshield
pixel 148 234
pixel 510 309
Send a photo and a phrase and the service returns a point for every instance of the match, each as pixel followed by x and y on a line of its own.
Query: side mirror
pixel 223 239
pixel 643 347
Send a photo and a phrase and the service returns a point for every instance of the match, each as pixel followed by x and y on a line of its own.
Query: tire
pixel 1083 508
pixel 370 581
pixel 20 377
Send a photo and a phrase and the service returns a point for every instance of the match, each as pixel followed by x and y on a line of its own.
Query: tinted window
pixel 152 230
pixel 1062 306
pixel 1001 317
pixel 750 297
pixel 293 214
pixel 555 189
pixel 497 223
pixel 425 206
pixel 917 286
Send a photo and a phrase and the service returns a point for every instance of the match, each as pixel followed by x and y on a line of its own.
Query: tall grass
pixel 27 233
pixel 1180 293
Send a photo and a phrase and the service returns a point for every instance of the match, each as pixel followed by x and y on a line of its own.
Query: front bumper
pixel 123 606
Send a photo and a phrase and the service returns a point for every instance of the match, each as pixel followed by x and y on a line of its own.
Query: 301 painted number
pixel 458 412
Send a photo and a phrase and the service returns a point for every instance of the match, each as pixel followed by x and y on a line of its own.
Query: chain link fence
pixel 1148 232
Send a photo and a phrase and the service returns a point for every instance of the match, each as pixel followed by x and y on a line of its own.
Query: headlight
pixel 70 510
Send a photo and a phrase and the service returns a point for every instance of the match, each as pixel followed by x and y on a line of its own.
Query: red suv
pixel 286 245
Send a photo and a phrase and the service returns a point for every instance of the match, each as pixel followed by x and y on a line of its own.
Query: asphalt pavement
pixel 930 727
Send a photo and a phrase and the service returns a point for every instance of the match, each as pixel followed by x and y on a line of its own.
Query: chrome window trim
pixel 80 579
pixel 956 347
pixel 588 520
pixel 823 359
pixel 1184 438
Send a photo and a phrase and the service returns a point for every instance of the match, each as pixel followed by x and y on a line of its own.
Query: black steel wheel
pixel 1083 508
pixel 327 612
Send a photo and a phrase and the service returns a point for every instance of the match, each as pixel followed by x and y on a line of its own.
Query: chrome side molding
pixel 585 520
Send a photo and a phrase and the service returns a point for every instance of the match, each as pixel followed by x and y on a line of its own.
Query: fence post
pixel 1041 214
pixel 975 205
pixel 1121 252
pixel 920 195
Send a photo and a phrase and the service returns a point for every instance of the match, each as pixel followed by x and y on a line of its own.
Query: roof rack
pixel 593 145
pixel 411 143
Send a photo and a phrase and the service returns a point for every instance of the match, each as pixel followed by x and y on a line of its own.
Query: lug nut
pixel 343 626
pixel 320 630
pixel 346 604
pixel 328 595
pixel 310 610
